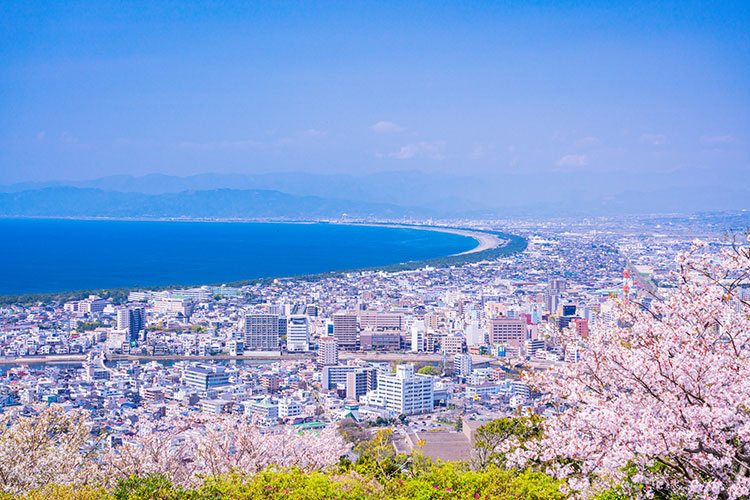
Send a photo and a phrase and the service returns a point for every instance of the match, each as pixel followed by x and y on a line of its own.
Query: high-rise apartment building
pixel 462 365
pixel 132 320
pixel 261 332
pixel 334 377
pixel 360 382
pixel 328 352
pixel 345 330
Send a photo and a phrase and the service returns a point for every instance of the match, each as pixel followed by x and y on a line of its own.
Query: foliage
pixel 151 486
pixel 494 440
pixel 381 422
pixel 85 326
pixel 352 432
pixel 429 370
pixel 377 457
pixel 660 405
pixel 436 481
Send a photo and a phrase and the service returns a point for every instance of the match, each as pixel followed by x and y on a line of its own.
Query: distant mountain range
pixel 217 203
pixel 382 195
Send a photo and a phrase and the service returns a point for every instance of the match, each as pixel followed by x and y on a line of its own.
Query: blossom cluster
pixel 54 446
pixel 661 400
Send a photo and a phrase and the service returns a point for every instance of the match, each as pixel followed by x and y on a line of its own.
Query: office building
pixel 406 392
pixel 532 346
pixel 453 344
pixel 206 377
pixel 378 321
pixel 345 331
pixel 172 305
pixel 380 340
pixel 509 331
pixel 261 332
pixel 298 334
pixel 335 376
pixel 417 336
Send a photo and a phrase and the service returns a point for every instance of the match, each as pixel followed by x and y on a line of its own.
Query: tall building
pixel 569 310
pixel 282 326
pixel 509 331
pixel 345 330
pixel 462 365
pixel 557 286
pixel 406 392
pixel 532 346
pixel 93 304
pixel 474 334
pixel 361 382
pixel 123 319
pixel 261 332
pixel 298 334
pixel 417 336
pixel 132 320
pixel 328 352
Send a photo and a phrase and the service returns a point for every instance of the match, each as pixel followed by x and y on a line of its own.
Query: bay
pixel 53 255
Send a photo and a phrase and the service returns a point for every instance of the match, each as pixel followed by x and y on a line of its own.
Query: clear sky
pixel 89 89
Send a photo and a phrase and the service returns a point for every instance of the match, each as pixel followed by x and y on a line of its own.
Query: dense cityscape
pixel 435 350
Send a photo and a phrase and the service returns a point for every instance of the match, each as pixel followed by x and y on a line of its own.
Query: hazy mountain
pixel 218 203
pixel 520 193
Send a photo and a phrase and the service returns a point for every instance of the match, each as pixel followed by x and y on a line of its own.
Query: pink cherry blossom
pixel 667 393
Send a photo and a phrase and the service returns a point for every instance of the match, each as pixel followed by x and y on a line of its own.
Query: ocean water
pixel 51 255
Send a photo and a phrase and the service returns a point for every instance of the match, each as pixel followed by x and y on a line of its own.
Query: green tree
pixel 429 370
pixel 489 438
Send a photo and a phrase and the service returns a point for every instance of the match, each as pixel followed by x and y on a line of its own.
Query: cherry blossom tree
pixel 659 404
pixel 40 448
pixel 51 446
pixel 190 449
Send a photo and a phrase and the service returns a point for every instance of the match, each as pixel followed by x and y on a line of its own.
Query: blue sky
pixel 89 89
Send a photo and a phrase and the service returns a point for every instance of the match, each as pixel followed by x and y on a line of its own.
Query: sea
pixel 55 255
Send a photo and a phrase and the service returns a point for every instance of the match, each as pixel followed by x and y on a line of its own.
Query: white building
pixel 474 334
pixel 206 377
pixel 417 336
pixel 182 307
pixel 462 365
pixel 289 408
pixel 406 392
pixel 328 352
pixel 298 333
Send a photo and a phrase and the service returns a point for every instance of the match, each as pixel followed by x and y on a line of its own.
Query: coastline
pixel 485 241
pixel 490 244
